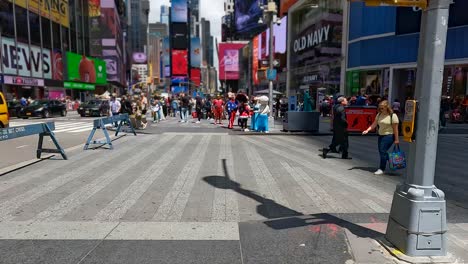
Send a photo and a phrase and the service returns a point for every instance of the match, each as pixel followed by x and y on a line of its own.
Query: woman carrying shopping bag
pixel 386 123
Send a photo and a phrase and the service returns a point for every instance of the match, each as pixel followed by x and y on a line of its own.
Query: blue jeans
pixel 385 143
pixel 184 114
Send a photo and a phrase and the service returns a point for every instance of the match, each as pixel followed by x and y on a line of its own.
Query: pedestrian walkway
pixel 203 198
pixel 60 127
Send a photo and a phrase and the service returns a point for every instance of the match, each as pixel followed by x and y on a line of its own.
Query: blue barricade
pixel 42 129
pixel 101 124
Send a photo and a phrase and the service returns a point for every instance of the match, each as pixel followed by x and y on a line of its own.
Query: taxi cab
pixel 4 117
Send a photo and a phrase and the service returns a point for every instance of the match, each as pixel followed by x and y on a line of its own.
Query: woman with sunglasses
pixel 386 123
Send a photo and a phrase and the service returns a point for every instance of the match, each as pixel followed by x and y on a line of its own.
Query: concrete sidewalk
pixel 201 198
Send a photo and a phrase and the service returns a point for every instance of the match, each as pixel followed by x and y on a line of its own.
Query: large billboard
pixel 83 69
pixel 247 14
pixel 166 52
pixel 58 9
pixel 179 62
pixel 229 60
pixel 255 57
pixel 195 53
pixel 113 65
pixel 179 11
pixel 28 62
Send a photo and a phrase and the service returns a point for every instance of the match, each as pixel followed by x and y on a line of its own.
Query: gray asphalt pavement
pixel 198 193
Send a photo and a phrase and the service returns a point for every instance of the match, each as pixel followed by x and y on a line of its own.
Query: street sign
pixel 410 3
pixel 271 74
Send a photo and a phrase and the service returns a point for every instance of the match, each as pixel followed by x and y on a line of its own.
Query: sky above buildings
pixel 212 10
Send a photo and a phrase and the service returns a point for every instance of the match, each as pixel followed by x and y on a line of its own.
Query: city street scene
pixel 234 131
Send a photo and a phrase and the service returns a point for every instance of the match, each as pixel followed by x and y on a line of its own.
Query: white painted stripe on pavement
pixel 346 180
pixel 7 207
pixel 225 204
pixel 69 203
pixel 126 199
pixel 232 204
pixel 197 134
pixel 55 230
pixel 81 130
pixel 265 181
pixel 176 231
pixel 172 208
pixel 323 201
pixel 23 146
pixel 119 231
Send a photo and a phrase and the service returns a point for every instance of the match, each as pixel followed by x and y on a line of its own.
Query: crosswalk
pixel 61 127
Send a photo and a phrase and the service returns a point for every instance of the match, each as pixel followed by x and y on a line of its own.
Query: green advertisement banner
pixel 85 69
pixel 79 86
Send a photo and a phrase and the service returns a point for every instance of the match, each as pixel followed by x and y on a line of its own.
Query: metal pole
pixel 417 224
pixel 270 82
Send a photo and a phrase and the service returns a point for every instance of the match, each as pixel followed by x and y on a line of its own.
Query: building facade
pixel 393 72
pixel 41 42
pixel 137 31
pixel 156 34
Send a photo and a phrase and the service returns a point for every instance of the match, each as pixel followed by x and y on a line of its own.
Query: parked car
pixel 94 108
pixel 44 109
pixel 4 117
pixel 14 108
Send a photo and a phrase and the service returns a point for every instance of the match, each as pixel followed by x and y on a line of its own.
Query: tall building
pixel 156 33
pixel 164 15
pixel 137 31
pixel 207 43
pixel 194 7
pixel 59 43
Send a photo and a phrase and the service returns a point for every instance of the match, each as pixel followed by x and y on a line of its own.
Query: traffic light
pixel 410 3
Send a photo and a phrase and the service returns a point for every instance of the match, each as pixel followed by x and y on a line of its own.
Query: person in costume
pixel 231 109
pixel 256 113
pixel 218 106
pixel 262 119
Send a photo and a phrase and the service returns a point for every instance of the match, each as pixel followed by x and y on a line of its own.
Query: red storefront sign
pixel 360 118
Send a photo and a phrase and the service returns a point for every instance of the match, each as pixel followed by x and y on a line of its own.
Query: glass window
pixel 73 41
pixel 46 36
pixel 56 36
pixel 35 29
pixel 21 21
pixel 65 39
pixel 6 19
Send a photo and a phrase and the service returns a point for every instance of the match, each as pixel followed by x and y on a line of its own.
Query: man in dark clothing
pixel 184 107
pixel 126 106
pixel 340 129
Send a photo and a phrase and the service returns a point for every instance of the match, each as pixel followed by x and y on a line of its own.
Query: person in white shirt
pixel 115 107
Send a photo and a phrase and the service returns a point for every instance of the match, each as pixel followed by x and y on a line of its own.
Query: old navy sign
pixel 17 80
pixel 313 39
pixel 28 62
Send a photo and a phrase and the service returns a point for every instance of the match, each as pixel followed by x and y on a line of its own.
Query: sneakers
pixel 198 122
pixel 378 172
pixel 246 130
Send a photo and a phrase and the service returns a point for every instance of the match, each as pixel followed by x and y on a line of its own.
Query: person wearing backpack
pixel 386 123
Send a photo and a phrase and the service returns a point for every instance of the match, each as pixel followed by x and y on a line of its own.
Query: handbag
pixel 396 159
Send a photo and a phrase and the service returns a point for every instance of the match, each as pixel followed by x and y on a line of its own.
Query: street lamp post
pixel 270 12
pixel 417 224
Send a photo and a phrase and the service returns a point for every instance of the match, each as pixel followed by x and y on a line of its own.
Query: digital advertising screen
pixel 285 5
pixel 179 62
pixel 84 69
pixel 247 14
pixel 195 52
pixel 179 11
pixel 229 60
